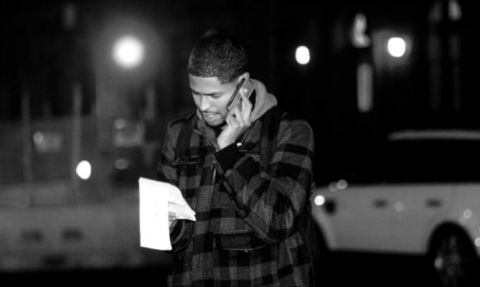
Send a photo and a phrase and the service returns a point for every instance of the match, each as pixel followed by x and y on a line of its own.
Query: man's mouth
pixel 209 116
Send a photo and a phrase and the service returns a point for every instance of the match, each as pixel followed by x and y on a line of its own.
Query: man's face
pixel 211 98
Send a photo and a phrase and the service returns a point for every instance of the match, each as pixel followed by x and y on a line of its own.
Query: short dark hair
pixel 217 55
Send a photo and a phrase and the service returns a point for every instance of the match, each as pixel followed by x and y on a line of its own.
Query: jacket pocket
pixel 247 258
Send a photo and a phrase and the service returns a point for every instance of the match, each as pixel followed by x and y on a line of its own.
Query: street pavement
pixel 337 270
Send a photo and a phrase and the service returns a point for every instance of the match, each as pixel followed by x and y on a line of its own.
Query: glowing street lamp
pixel 396 47
pixel 128 52
pixel 302 55
pixel 84 170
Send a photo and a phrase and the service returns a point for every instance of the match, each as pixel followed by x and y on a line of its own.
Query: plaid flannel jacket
pixel 246 232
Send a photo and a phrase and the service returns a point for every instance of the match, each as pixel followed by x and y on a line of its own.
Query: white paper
pixel 157 198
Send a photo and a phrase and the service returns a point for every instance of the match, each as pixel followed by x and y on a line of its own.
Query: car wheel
pixel 453 259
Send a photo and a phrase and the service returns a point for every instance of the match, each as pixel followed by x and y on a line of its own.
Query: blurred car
pixel 419 195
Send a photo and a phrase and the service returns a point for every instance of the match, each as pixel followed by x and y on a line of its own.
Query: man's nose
pixel 204 103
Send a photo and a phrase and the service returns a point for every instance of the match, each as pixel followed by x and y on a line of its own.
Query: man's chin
pixel 214 123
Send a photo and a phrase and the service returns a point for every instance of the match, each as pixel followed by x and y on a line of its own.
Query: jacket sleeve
pixel 166 171
pixel 270 199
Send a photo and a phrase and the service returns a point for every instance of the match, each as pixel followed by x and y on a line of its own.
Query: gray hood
pixel 263 102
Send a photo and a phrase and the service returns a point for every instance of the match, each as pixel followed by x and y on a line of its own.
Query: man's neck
pixel 218 129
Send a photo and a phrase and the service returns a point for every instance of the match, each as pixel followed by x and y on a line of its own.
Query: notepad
pixel 157 198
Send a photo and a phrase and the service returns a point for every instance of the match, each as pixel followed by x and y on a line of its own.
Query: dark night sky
pixel 430 88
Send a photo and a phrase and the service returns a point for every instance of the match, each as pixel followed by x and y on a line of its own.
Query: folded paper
pixel 157 199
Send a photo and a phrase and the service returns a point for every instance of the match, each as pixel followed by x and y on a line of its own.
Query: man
pixel 245 169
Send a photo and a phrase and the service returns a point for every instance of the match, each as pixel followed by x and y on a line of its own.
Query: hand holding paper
pixel 178 205
pixel 157 199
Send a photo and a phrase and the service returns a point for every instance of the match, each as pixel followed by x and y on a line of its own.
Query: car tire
pixel 452 259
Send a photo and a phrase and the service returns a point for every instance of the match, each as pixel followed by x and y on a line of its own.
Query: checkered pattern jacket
pixel 246 233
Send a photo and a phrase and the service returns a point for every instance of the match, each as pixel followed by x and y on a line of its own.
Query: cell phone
pixel 235 99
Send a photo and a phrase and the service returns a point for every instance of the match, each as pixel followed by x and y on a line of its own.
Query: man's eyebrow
pixel 203 94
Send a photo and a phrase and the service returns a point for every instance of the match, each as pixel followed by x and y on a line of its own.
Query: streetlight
pixel 128 52
pixel 396 47
pixel 302 55
pixel 84 169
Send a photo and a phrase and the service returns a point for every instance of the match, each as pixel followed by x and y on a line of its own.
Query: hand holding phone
pixel 239 110
pixel 235 100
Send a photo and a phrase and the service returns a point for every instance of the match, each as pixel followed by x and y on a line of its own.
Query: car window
pixel 413 158
pixel 432 161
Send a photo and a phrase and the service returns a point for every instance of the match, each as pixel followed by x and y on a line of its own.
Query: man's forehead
pixel 206 80
pixel 207 84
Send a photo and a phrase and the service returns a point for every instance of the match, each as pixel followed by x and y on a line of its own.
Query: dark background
pixel 50 47
pixel 433 87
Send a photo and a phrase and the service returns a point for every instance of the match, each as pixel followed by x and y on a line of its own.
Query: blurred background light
pixel 360 39
pixel 302 55
pixel 128 52
pixel 454 10
pixel 122 164
pixel 69 15
pixel 319 200
pixel 342 184
pixel 396 47
pixel 84 170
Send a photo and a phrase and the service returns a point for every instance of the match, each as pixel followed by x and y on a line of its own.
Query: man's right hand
pixel 238 120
